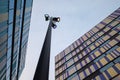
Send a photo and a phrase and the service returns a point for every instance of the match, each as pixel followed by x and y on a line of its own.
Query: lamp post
pixel 42 69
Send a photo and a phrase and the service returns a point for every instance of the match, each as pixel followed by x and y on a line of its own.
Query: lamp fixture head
pixel 47 17
pixel 56 19
pixel 53 20
pixel 53 25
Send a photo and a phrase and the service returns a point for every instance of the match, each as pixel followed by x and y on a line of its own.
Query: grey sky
pixel 77 17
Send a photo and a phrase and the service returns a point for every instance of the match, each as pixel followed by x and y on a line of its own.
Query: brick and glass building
pixel 95 55
pixel 15 18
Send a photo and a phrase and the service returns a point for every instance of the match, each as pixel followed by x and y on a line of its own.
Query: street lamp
pixel 42 70
pixel 53 20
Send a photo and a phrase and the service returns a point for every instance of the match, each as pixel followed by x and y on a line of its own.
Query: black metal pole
pixel 42 70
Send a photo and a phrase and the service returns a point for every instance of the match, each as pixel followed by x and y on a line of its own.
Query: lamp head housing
pixel 56 19
pixel 53 20
pixel 47 17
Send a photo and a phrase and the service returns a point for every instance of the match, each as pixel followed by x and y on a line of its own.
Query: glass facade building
pixel 15 18
pixel 95 55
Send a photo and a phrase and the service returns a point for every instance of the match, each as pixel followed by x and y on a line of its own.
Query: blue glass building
pixel 95 55
pixel 15 18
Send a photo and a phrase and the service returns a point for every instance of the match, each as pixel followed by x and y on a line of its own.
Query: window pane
pixel 113 32
pixel 107 20
pixel 76 59
pixel 8 63
pixel 110 57
pixel 117 60
pixel 106 67
pixel 3 33
pixel 117 78
pixel 114 23
pixel 10 29
pixel 68 56
pixel 113 42
pixel 73 77
pixel 72 70
pixel 87 71
pixel 8 73
pixel 9 41
pixel 10 16
pixel 9 53
pixel 18 4
pixel 11 5
pixel 112 72
pixel 103 61
pixel 82 75
pixel 3 6
pixel 70 62
pixel 78 66
pixel 97 53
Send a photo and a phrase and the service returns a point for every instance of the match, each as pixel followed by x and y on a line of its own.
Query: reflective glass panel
pixel 9 41
pixel 10 29
pixel 9 53
pixel 11 4
pixel 10 16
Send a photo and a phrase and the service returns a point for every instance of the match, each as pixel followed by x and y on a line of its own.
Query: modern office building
pixel 95 55
pixel 15 18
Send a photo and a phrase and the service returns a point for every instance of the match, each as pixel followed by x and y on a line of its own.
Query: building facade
pixel 95 55
pixel 15 18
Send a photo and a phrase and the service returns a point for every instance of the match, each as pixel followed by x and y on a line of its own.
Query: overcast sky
pixel 77 17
